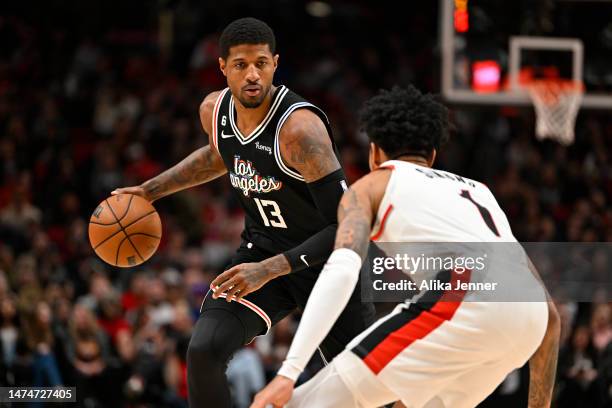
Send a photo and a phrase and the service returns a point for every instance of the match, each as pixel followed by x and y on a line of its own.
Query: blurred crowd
pixel 83 114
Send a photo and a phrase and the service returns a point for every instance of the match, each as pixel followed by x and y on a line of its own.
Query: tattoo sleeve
pixel 199 167
pixel 306 146
pixel 355 218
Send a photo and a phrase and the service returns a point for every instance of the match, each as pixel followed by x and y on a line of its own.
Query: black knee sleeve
pixel 216 336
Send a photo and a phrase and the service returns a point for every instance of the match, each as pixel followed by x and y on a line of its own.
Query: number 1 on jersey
pixel 278 220
pixel 484 212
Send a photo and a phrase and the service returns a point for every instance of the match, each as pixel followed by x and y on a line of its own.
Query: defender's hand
pixel 136 190
pixel 278 393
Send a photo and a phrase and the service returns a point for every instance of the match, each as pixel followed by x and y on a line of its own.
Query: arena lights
pixel 318 9
pixel 462 23
pixel 486 76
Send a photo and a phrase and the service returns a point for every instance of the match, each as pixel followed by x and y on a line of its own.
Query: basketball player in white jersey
pixel 438 351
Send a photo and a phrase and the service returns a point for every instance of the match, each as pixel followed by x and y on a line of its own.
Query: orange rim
pixel 548 91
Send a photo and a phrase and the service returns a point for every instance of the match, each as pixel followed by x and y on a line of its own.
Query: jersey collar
pixel 277 99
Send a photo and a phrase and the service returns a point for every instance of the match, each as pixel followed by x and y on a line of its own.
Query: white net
pixel 556 103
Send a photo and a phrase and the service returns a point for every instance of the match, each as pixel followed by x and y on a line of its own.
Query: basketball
pixel 125 230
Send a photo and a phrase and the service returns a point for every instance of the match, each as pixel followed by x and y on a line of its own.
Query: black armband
pixel 326 194
pixel 314 251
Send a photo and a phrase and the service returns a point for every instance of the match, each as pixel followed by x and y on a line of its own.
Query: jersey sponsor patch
pixel 247 179
pixel 267 149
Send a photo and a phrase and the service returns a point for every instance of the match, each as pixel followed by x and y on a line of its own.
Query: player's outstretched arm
pixel 203 165
pixel 543 363
pixel 334 286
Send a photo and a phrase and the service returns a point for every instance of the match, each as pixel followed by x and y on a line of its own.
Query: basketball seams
pixel 127 209
pixel 119 250
pixel 143 233
pixel 109 237
pixel 122 227
pixel 101 223
pixel 126 235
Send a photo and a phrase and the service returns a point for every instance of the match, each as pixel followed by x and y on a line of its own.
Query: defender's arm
pixel 543 363
pixel 338 279
pixel 203 165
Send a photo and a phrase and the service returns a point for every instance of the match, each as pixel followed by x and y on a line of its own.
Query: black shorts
pixel 262 309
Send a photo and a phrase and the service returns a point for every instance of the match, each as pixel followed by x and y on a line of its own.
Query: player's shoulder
pixel 374 184
pixel 206 109
pixel 301 119
pixel 375 179
pixel 208 103
pixel 303 123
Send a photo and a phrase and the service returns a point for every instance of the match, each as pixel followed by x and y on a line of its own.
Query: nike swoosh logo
pixel 303 258
pixel 224 136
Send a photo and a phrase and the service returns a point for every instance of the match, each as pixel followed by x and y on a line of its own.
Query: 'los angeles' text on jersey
pixel 246 178
pixel 279 210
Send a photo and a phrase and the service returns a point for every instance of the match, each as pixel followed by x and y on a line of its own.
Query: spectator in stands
pixel 39 338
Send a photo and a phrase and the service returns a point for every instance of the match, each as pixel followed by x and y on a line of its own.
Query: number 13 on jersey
pixel 274 217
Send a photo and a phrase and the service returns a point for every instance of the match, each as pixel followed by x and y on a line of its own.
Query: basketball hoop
pixel 556 103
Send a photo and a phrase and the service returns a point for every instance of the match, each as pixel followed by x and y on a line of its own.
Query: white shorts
pixel 433 355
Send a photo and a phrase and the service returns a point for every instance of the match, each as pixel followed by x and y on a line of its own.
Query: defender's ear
pixel 432 158
pixel 374 159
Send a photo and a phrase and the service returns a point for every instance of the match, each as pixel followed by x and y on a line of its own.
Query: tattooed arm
pixel 305 145
pixel 203 165
pixel 334 286
pixel 338 278
pixel 543 363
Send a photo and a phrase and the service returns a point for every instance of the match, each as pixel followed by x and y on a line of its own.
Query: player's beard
pixel 252 103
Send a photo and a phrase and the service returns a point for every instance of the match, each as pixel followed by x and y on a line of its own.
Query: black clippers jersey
pixel 280 212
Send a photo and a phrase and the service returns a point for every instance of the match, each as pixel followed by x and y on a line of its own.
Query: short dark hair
pixel 246 30
pixel 403 121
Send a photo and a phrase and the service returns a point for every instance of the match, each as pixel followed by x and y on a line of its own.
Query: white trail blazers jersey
pixel 435 215
pixel 427 205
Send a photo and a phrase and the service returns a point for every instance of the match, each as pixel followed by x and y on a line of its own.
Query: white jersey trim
pixel 215 116
pixel 277 153
pixel 261 127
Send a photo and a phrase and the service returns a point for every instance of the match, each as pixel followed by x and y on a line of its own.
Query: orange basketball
pixel 124 230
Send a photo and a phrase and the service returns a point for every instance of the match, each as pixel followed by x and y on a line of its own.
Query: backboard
pixel 490 46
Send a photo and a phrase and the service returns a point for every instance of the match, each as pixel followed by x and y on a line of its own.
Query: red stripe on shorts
pixel 418 328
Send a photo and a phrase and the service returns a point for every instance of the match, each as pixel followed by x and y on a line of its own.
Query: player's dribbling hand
pixel 136 190
pixel 240 280
pixel 278 393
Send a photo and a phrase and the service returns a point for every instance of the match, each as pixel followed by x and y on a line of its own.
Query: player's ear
pixel 373 161
pixel 222 66
pixel 275 59
pixel 432 158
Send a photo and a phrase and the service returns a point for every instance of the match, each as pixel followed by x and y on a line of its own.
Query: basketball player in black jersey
pixel 283 165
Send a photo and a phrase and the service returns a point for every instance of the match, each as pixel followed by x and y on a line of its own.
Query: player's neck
pixel 250 118
pixel 414 160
